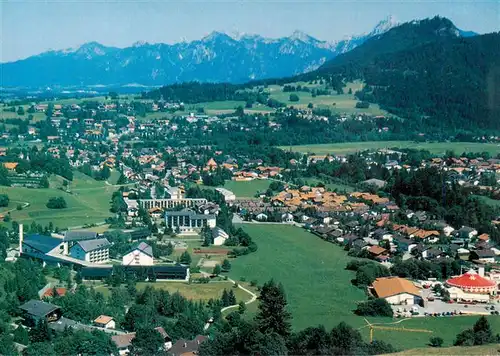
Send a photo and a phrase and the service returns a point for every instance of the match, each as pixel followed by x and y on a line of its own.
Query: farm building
pixel 397 291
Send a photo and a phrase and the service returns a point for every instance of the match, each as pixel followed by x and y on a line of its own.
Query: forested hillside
pixel 426 72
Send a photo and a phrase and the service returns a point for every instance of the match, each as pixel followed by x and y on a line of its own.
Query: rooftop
pixel 470 279
pixel 79 235
pixel 144 247
pixel 103 319
pixel 388 286
pixel 42 243
pixel 38 308
pixel 91 245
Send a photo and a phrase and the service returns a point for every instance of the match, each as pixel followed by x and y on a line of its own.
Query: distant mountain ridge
pixel 217 57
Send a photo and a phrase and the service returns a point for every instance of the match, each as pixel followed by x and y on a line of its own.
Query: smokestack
pixel 481 271
pixel 21 239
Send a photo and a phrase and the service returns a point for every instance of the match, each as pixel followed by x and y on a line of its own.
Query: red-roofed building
pixel 50 292
pixel 472 282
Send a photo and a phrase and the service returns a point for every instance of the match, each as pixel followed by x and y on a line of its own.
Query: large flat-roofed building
pixel 170 203
pixel 38 246
pixel 188 221
pixel 156 272
pixel 93 251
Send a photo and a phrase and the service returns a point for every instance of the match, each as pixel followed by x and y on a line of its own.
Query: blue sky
pixel 32 26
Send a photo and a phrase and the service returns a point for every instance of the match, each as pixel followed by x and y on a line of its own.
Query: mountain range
pixel 217 57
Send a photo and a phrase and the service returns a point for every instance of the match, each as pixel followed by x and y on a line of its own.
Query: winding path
pixel 251 300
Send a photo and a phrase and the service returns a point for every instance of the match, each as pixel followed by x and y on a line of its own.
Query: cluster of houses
pixel 35 311
pixel 325 201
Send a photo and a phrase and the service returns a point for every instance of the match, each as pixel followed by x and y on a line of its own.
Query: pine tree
pixel 225 299
pixel 232 298
pixel 273 315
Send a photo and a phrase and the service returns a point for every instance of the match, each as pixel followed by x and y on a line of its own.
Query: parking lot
pixel 439 306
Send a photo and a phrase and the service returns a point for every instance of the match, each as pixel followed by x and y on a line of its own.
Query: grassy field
pixel 247 189
pixel 492 349
pixel 433 147
pixel 312 271
pixel 344 103
pixel 226 107
pixel 88 202
pixel 190 291
pixel 492 202
pixel 319 289
pixel 244 189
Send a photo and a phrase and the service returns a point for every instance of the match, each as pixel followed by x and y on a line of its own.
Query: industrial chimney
pixel 21 239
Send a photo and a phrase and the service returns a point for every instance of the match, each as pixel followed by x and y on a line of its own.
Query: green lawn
pixel 244 189
pixel 492 202
pixel 343 103
pixel 225 107
pixel 247 189
pixel 433 147
pixel 312 271
pixel 319 289
pixel 88 202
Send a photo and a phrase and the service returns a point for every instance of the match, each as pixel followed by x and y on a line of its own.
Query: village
pixel 176 215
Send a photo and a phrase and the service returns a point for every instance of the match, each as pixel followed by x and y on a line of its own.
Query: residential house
pixel 124 341
pixel 287 218
pixel 466 233
pixel 483 256
pixel 185 347
pixel 219 236
pixel 35 310
pixel 104 321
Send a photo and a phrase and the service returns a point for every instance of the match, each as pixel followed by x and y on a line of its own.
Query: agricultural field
pixel 492 349
pixel 319 289
pixel 225 107
pixel 87 203
pixel 344 103
pixel 190 291
pixel 433 147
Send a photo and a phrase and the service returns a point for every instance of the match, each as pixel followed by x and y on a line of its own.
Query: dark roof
pixel 186 346
pixel 190 213
pixel 79 235
pixel 96 272
pixel 91 245
pixel 144 247
pixel 484 253
pixel 42 243
pixel 38 308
